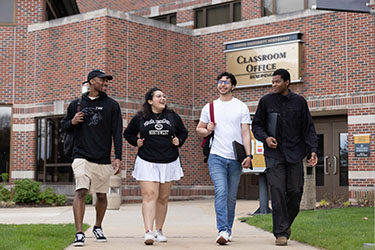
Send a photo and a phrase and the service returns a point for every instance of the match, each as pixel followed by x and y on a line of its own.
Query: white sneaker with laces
pixel 79 240
pixel 99 235
pixel 159 236
pixel 149 238
pixel 222 238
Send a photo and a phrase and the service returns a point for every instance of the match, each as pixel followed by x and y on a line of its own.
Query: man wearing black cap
pixel 96 120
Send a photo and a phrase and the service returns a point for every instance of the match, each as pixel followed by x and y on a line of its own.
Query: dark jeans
pixel 286 182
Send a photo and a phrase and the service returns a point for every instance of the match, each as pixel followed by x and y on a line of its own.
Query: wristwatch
pixel 251 156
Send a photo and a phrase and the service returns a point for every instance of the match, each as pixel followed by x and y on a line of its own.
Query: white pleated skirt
pixel 159 172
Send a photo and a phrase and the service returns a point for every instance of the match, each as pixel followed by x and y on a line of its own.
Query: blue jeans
pixel 225 174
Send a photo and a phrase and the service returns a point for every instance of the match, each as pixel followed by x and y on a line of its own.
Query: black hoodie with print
pixel 102 122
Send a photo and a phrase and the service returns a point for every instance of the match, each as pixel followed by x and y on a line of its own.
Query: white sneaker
pixel 222 238
pixel 159 236
pixel 149 238
pixel 230 238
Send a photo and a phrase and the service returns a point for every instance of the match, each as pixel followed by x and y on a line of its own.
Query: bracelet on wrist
pixel 251 156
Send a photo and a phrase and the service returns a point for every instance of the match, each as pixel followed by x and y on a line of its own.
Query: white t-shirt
pixel 228 118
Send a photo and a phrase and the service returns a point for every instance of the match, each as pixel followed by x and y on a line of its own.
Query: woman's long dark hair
pixel 146 111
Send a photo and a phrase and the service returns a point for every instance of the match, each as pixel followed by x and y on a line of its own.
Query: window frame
pixel 45 164
pixel 306 5
pixel 10 160
pixel 14 16
pixel 168 16
pixel 204 13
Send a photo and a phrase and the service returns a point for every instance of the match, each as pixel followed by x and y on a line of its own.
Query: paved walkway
pixel 189 225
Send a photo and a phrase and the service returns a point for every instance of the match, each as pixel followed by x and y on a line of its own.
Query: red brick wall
pixel 250 8
pixel 138 56
pixel 13 57
pixel 361 163
pixel 52 63
pixel 324 54
pixel 324 69
pixel 126 6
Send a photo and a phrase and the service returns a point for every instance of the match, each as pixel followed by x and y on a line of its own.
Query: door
pixel 332 167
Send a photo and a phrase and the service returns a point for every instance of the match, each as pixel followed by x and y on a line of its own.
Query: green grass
pixel 333 229
pixel 37 236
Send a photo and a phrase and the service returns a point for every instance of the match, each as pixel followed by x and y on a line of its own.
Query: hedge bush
pixel 27 191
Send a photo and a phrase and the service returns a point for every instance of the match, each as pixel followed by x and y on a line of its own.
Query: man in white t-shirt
pixel 232 123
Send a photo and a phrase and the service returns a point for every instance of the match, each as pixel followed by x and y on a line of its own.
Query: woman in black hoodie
pixel 157 132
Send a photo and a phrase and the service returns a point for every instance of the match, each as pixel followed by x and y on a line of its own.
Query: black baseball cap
pixel 97 73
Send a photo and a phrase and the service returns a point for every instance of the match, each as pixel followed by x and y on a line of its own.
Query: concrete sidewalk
pixel 189 225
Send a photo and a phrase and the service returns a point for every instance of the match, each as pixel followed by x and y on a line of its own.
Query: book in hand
pixel 239 152
pixel 272 124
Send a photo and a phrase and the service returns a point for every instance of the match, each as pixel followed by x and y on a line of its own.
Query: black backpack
pixel 69 137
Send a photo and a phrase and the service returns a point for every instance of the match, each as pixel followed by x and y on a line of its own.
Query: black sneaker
pixel 98 232
pixel 79 241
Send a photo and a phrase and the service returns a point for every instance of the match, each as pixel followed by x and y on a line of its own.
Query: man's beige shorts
pixel 92 176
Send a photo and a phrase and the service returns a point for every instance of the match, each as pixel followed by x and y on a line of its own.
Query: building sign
pixel 253 61
pixel 362 145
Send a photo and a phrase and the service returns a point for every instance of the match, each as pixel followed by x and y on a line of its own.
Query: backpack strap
pixel 212 117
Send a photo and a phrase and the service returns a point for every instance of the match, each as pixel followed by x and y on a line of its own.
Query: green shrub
pixel 26 191
pixel 48 196
pixel 347 203
pixel 88 199
pixel 4 194
pixel 60 199
pixel 5 177
pixel 323 203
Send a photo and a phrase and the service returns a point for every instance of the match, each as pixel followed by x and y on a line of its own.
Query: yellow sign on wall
pixel 253 61
pixel 362 145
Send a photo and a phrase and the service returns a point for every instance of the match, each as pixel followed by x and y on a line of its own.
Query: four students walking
pixel 157 131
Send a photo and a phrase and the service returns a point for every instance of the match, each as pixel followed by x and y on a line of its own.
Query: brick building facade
pixel 43 64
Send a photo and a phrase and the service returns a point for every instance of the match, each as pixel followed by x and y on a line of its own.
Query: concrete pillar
pixel 263 196
pixel 114 193
pixel 309 189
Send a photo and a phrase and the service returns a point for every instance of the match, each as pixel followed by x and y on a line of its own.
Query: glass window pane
pixel 40 149
pixel 268 7
pixel 343 159
pixel 161 19
pixel 218 15
pixel 59 174
pixel 237 12
pixel 319 169
pixel 5 123
pixel 173 20
pixel 51 161
pixel 286 6
pixel 199 21
pixel 6 11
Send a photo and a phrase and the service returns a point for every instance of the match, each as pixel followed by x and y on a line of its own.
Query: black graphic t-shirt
pixel 158 132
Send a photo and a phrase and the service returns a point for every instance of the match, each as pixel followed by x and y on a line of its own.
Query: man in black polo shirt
pixel 284 124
